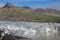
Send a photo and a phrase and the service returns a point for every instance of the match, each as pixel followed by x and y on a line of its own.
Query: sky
pixel 33 3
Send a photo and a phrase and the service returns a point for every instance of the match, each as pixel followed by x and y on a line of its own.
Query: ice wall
pixel 28 29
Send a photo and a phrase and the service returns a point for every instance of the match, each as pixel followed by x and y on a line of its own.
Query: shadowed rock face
pixel 0 33
pixel 22 38
pixel 8 37
pixel 11 37
pixel 8 5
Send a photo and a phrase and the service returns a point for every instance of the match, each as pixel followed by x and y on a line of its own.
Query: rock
pixel 8 5
pixel 1 33
pixel 8 37
pixel 22 38
pixel 11 37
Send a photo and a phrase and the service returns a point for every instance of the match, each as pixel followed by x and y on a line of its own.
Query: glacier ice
pixel 28 29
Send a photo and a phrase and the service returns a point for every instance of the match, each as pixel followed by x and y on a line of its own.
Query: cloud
pixel 1 5
pixel 55 5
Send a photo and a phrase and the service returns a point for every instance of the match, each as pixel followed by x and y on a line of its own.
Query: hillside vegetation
pixel 25 14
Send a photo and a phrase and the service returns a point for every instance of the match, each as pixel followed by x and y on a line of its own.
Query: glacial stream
pixel 34 30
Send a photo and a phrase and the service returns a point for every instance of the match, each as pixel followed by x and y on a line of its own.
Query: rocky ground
pixel 11 37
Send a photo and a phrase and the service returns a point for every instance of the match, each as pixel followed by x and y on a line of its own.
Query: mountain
pixel 47 10
pixel 8 5
pixel 24 13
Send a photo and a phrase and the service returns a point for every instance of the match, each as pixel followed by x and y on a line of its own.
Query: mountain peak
pixel 8 5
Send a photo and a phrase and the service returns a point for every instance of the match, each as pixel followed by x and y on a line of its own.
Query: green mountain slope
pixel 48 11
pixel 25 14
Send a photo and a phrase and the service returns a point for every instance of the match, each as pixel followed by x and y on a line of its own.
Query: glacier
pixel 28 29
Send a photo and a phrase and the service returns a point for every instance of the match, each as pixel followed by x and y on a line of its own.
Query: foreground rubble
pixel 4 36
